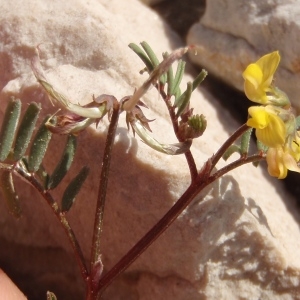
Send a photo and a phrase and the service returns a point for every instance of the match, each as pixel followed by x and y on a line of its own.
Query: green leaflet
pixel 232 149
pixel 184 99
pixel 141 54
pixel 9 126
pixel 73 189
pixel 177 78
pixel 64 164
pixel 39 147
pixel 245 141
pixel 154 60
pixel 26 129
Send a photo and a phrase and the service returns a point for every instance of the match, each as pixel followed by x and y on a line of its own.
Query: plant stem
pixel 95 255
pixel 228 143
pixel 60 216
pixel 237 163
pixel 203 180
pixel 188 154
pixel 149 238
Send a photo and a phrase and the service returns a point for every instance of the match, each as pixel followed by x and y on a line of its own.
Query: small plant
pixel 276 129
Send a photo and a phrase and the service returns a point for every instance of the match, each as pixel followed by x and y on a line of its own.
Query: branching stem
pixel 204 179
pixel 60 216
pixel 228 143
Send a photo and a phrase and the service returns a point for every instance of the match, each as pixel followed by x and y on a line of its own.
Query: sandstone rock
pixel 242 241
pixel 151 2
pixel 232 34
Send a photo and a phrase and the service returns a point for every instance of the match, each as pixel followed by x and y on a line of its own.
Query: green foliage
pixel 232 149
pixel 9 125
pixel 13 155
pixel 245 141
pixel 142 56
pixel 242 148
pixel 39 146
pixel 65 163
pixel 73 188
pixel 26 129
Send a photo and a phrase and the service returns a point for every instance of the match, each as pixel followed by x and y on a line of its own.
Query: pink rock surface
pixel 240 242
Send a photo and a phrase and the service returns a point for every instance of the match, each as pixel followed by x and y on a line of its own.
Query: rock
pixel 241 241
pixel 230 35
pixel 151 2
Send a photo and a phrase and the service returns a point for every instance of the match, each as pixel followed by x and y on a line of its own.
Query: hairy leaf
pixel 65 163
pixel 39 147
pixel 245 141
pixel 232 149
pixel 73 189
pixel 9 126
pixel 26 129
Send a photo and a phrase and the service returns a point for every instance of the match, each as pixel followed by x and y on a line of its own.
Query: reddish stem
pixel 60 216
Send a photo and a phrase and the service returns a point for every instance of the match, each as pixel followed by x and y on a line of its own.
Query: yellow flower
pixel 280 160
pixel 270 129
pixel 258 78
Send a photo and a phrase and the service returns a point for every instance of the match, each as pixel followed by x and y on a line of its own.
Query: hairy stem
pixel 228 143
pixel 203 180
pixel 237 163
pixel 60 216
pixel 95 255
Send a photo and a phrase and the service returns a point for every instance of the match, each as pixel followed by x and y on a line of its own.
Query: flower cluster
pixel 274 120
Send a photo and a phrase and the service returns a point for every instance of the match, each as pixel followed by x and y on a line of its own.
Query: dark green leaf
pixel 154 60
pixel 184 99
pixel 199 79
pixel 9 125
pixel 26 129
pixel 73 189
pixel 65 163
pixel 178 76
pixel 9 193
pixel 150 53
pixel 170 76
pixel 142 56
pixel 39 146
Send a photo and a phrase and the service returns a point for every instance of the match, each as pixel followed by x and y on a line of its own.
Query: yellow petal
pixel 276 167
pixel 268 64
pixel 257 95
pixel 254 75
pixel 274 134
pixel 259 118
pixel 258 77
pixel 270 129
